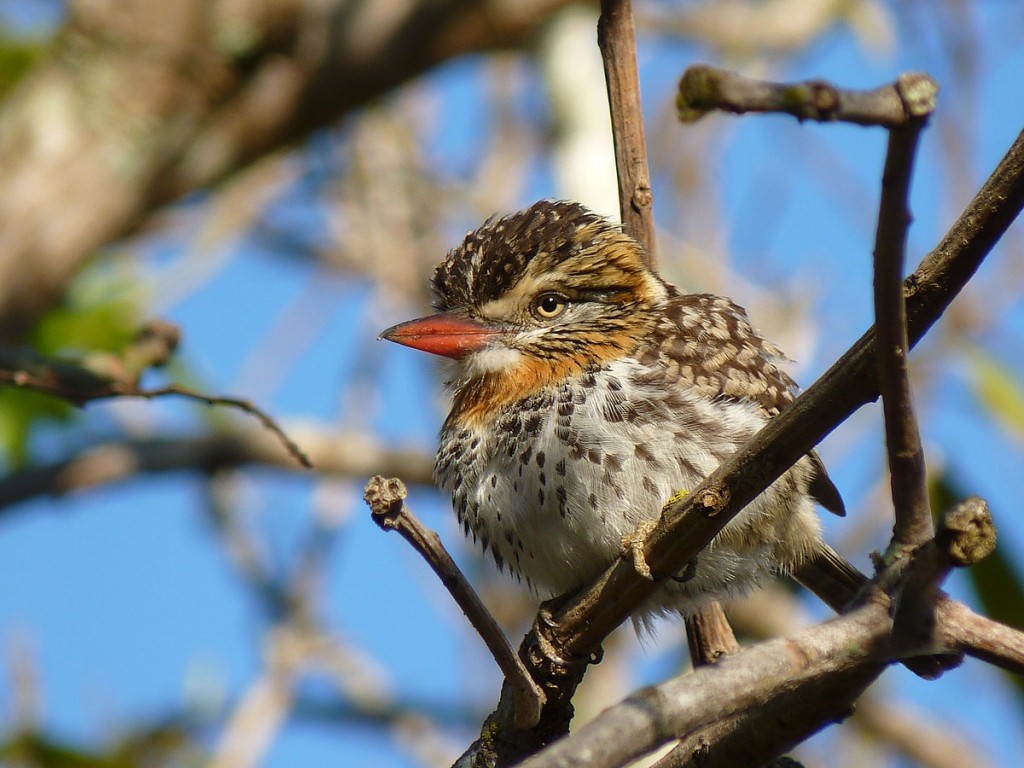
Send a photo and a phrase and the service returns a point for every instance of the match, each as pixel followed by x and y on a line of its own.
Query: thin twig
pixel 106 390
pixel 233 402
pixel 386 499
pixel 902 436
pixel 616 35
pixel 703 89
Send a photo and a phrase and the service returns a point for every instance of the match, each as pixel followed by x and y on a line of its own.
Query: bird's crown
pixel 561 242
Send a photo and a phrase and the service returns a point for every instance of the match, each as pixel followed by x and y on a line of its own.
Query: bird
pixel 586 392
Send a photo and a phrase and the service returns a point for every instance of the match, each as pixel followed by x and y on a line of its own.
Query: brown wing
pixel 708 341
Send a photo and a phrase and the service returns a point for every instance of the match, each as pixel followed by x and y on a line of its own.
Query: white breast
pixel 553 488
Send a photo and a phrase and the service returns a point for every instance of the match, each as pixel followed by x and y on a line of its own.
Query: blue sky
pixel 130 602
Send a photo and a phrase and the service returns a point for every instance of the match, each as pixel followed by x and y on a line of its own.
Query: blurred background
pixel 278 178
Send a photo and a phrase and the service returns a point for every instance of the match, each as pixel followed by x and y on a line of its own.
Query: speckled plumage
pixel 568 431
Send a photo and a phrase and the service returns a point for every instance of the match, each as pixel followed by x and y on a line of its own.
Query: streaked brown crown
pixel 552 245
pixel 494 257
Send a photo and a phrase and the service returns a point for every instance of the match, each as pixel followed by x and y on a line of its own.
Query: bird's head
pixel 537 296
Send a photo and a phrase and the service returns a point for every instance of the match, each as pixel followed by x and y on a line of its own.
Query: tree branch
pixel 616 35
pixel 980 637
pixel 114 124
pixel 334 454
pixel 966 534
pixel 704 89
pixel 903 439
pixel 386 499
pixel 797 684
pixel 102 376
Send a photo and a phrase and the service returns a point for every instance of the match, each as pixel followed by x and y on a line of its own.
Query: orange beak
pixel 448 334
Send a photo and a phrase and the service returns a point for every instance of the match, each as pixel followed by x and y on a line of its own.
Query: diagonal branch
pixel 766 698
pixel 386 499
pixel 850 383
pixel 584 620
pixel 261 75
pixel 818 671
pixel 333 453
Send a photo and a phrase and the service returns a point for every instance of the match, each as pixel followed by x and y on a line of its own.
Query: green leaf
pixel 100 314
pixel 105 324
pixel 20 410
pixel 18 55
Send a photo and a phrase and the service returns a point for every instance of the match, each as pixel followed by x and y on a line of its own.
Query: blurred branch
pixel 754 27
pixel 96 375
pixel 582 147
pixel 297 642
pixel 102 376
pixel 704 89
pixel 255 722
pixel 139 104
pixel 927 743
pixel 340 454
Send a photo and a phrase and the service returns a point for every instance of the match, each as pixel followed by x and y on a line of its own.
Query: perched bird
pixel 587 391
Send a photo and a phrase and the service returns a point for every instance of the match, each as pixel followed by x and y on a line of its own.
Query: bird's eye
pixel 549 305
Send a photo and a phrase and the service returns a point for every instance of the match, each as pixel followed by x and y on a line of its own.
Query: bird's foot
pixel 633 547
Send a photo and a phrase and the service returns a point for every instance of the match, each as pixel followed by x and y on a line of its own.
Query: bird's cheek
pixel 495 358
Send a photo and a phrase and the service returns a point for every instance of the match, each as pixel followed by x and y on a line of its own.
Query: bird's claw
pixel 633 546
